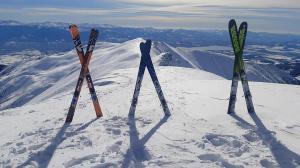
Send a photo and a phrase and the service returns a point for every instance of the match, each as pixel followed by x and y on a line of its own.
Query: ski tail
pixel 233 91
pixel 137 88
pixel 94 97
pixel 247 93
pixel 75 98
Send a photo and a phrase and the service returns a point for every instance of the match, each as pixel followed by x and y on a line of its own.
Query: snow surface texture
pixel 198 134
pixel 30 77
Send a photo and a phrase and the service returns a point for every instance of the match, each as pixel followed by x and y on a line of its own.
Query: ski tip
pixel 94 30
pixel 232 22
pixel 94 33
pixel 74 31
pixel 145 47
pixel 72 25
pixel 148 41
pixel 244 25
pixel 142 46
pixel 231 25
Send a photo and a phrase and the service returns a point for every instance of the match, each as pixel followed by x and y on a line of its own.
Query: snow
pixel 55 73
pixel 199 133
pixel 222 65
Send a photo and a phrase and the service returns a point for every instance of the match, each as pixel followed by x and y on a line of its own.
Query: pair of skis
pixel 147 62
pixel 84 72
pixel 238 38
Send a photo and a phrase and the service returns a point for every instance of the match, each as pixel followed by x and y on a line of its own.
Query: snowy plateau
pixel 36 92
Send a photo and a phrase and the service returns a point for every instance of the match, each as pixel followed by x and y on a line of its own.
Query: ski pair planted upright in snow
pixel 84 72
pixel 238 38
pixel 147 62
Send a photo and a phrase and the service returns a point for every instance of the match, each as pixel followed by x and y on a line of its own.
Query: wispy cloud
pixel 264 15
pixel 66 11
pixel 229 3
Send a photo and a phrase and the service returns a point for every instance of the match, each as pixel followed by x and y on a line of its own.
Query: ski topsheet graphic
pixel 238 38
pixel 147 62
pixel 84 72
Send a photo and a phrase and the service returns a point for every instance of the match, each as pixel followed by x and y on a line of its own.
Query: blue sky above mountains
pixel 281 16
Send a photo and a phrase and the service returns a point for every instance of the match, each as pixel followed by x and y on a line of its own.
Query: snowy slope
pixel 198 134
pixel 40 77
pixel 222 64
pixel 41 74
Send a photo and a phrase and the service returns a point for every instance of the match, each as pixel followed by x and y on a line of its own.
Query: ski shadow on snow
pixel 43 158
pixel 283 156
pixel 137 152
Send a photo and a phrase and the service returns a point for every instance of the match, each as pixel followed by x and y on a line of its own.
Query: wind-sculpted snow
pixel 199 133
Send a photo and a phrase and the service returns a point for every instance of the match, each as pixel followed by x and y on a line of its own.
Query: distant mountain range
pixel 280 50
pixel 16 36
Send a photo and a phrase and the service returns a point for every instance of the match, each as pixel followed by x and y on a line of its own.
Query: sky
pixel 274 16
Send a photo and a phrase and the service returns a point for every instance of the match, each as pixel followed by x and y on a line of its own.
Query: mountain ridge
pixel 40 78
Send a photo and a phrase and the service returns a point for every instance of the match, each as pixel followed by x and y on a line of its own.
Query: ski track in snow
pixel 199 133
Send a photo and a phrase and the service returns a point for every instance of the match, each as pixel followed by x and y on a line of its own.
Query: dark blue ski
pixel 147 62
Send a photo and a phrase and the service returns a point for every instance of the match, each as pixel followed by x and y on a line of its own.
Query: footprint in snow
pixel 229 144
pixel 217 160
pixel 80 161
pixel 113 131
pixel 103 83
pixel 251 136
pixel 113 125
pixel 268 164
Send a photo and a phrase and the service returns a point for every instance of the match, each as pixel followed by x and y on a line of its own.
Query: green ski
pixel 238 38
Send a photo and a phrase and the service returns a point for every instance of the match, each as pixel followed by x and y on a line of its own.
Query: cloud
pixel 263 15
pixel 228 3
pixel 67 11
